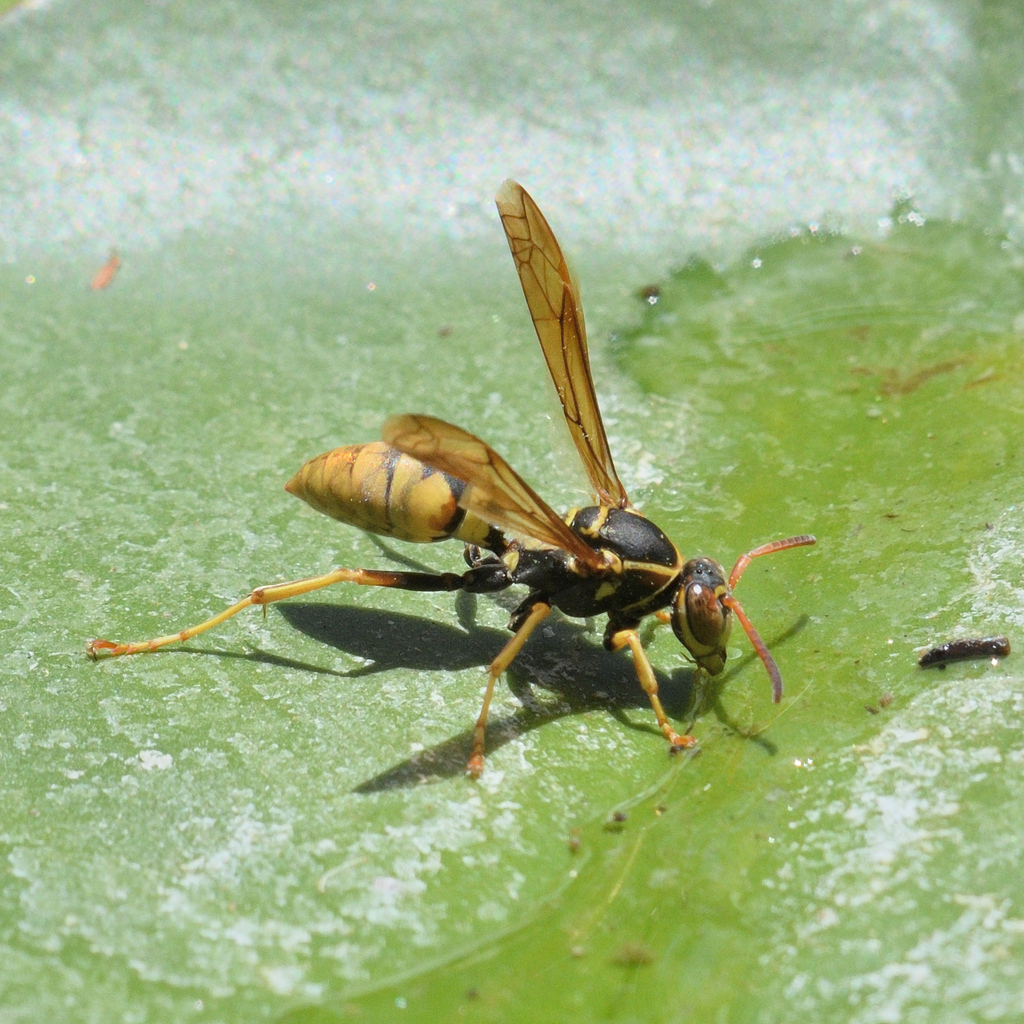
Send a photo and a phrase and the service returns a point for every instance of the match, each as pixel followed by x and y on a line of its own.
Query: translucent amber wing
pixel 554 303
pixel 494 490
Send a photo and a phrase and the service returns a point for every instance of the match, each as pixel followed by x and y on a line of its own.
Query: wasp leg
pixel 524 626
pixel 280 591
pixel 615 641
pixel 477 556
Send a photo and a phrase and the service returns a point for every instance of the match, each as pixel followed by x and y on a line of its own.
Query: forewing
pixel 494 490
pixel 554 302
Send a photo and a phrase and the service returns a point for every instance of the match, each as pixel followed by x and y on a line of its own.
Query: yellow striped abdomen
pixel 379 490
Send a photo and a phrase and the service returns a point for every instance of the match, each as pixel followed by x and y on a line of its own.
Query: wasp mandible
pixel 429 480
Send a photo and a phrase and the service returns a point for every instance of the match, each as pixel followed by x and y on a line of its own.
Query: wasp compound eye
pixel 702 624
pixel 705 615
pixel 698 606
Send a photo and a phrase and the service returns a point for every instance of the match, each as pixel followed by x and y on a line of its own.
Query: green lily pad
pixel 271 822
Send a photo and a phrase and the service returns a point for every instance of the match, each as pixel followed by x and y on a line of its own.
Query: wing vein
pixel 554 302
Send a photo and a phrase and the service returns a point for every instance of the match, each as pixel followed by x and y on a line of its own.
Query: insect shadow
pixel 562 658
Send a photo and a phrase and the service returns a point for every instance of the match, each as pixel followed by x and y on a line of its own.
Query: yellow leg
pixel 645 673
pixel 538 613
pixel 278 592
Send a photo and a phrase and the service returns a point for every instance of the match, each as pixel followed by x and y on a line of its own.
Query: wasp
pixel 428 480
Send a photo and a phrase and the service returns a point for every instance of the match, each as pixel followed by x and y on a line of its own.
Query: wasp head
pixel 700 619
pixel 703 607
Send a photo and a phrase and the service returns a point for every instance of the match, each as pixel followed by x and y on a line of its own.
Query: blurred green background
pixel 272 824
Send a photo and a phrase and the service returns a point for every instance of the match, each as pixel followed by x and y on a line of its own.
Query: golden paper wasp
pixel 429 480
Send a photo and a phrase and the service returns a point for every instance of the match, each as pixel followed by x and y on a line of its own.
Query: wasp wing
pixel 554 301
pixel 494 490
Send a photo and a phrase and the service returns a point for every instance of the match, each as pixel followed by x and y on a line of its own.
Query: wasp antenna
pixel 766 549
pixel 762 651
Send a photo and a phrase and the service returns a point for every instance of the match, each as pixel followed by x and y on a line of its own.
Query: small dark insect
pixel 428 480
pixel 871 709
pixel 616 822
pixel 575 842
pixel 633 954
pixel 885 700
pixel 650 294
pixel 958 650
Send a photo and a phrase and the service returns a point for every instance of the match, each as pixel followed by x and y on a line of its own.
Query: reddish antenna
pixel 731 603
